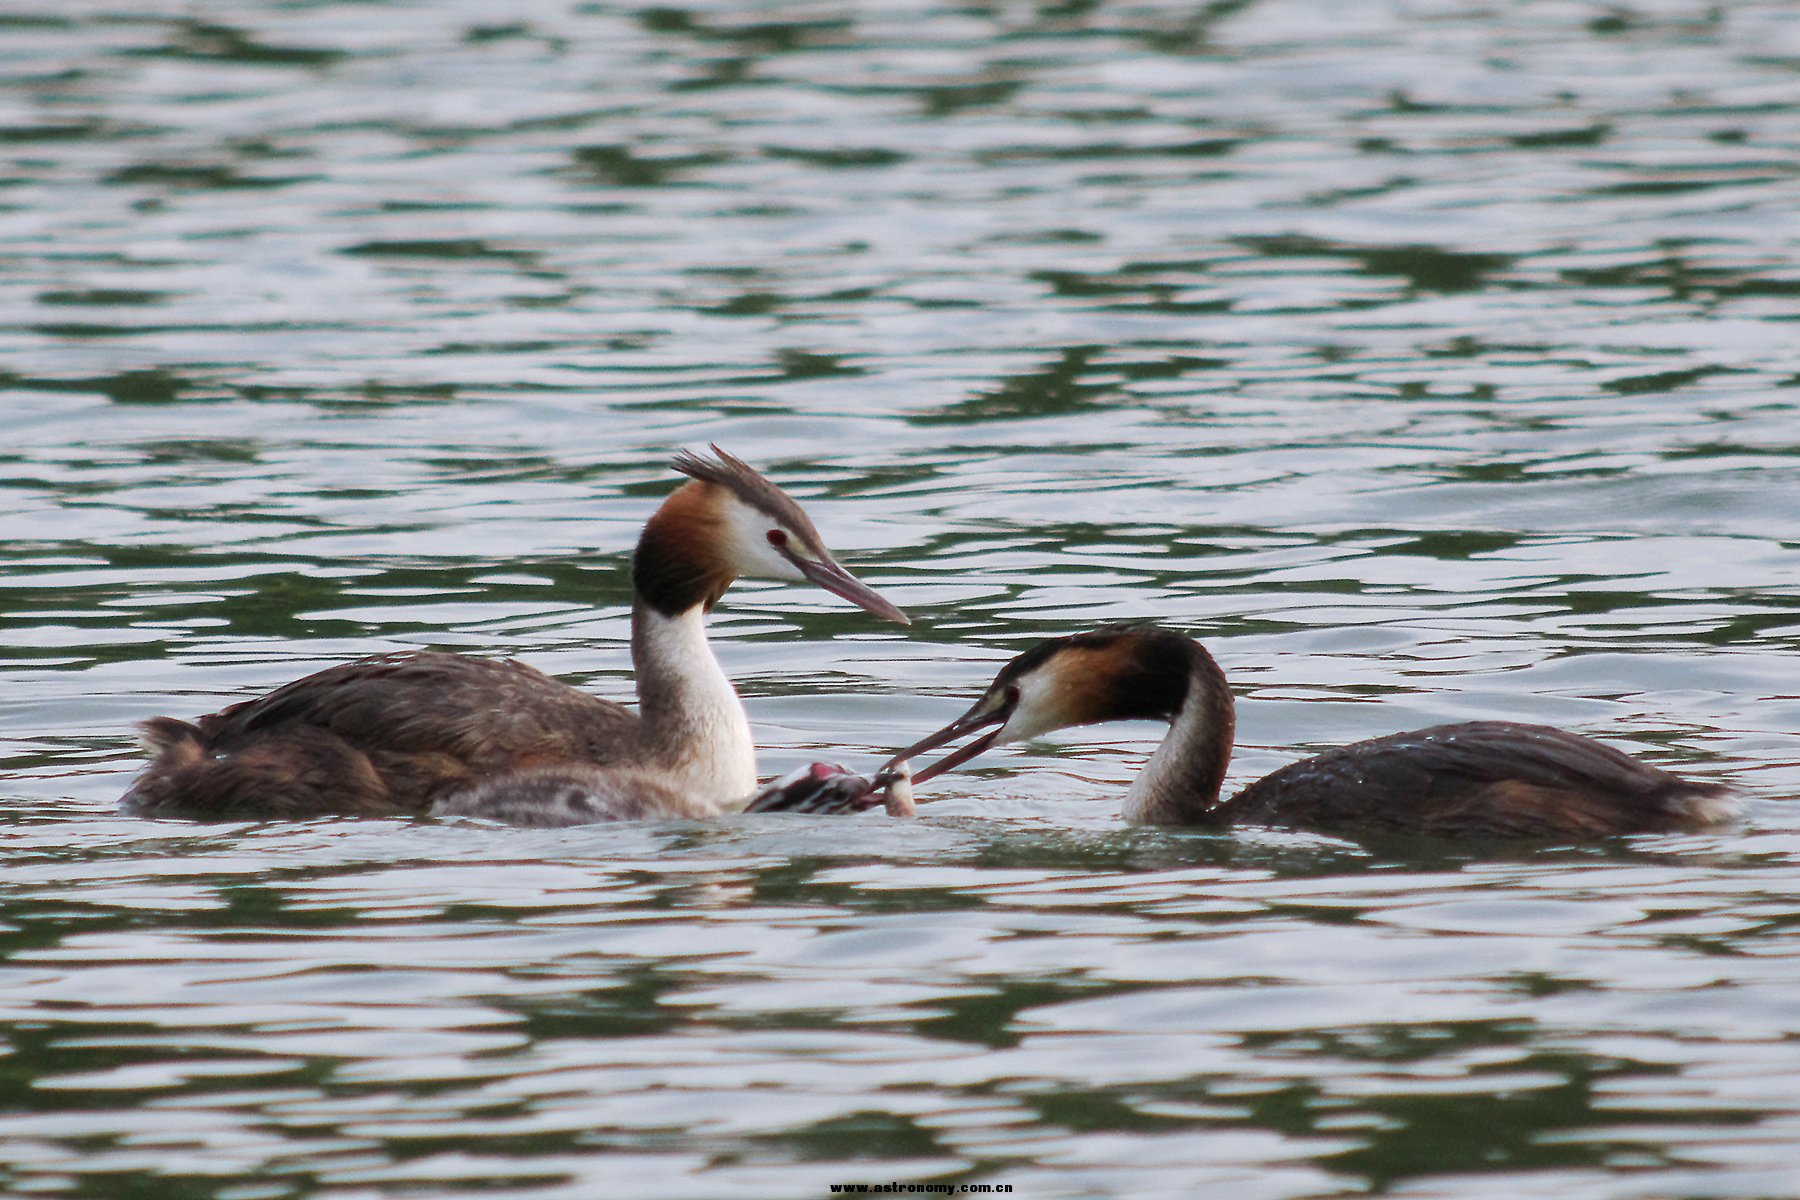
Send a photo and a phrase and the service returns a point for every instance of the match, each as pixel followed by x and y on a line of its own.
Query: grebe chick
pixel 1493 778
pixel 832 788
pixel 395 734
pixel 554 797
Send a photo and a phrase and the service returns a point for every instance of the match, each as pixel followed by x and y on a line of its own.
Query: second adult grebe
pixel 400 733
pixel 1493 778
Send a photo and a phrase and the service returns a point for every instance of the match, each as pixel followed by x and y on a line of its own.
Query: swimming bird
pixel 1493 778
pixel 549 797
pixel 831 788
pixel 402 734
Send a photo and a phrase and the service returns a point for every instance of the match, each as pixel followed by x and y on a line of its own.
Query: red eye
pixel 777 538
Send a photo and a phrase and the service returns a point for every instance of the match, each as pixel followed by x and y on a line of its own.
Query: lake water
pixel 1428 360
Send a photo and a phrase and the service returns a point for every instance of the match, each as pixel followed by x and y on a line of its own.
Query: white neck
pixel 1180 782
pixel 694 725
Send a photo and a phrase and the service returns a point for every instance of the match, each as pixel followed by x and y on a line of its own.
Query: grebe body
pixel 400 734
pixel 1479 778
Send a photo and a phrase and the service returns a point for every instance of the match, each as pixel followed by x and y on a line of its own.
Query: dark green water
pixel 1428 361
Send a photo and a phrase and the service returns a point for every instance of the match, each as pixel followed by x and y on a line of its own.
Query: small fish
pixel 898 792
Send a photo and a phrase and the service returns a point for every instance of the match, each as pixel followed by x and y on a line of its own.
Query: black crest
pixel 679 562
pixel 728 471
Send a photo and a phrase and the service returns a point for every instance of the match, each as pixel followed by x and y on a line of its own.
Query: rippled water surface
pixel 1427 360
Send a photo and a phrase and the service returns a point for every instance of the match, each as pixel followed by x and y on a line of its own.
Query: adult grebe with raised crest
pixel 423 731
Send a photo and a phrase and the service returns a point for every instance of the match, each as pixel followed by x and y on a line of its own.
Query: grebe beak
pixel 992 709
pixel 830 575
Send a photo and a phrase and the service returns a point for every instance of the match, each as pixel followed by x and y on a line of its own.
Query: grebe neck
pixel 1180 783
pixel 694 725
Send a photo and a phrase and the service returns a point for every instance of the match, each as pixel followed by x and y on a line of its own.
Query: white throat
pixel 694 723
pixel 1164 791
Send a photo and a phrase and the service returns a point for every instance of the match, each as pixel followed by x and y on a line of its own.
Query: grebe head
pixel 730 521
pixel 1120 673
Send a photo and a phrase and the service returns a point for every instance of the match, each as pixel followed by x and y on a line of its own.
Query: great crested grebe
pixel 418 731
pixel 1494 778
